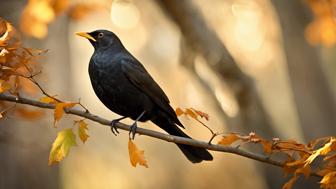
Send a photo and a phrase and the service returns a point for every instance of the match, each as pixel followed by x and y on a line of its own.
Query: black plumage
pixel 124 86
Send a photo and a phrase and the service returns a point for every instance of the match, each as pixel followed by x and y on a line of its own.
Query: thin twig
pixel 32 79
pixel 86 110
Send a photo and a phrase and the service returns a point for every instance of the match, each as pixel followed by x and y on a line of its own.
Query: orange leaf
pixel 4 86
pixel 296 162
pixel 267 146
pixel 136 155
pixel 48 99
pixel 7 27
pixel 59 110
pixel 229 139
pixel 179 111
pixel 202 114
pixel 306 170
pixel 329 180
pixel 190 113
pixel 82 131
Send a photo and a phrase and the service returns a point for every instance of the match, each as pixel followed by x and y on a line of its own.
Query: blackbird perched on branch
pixel 124 86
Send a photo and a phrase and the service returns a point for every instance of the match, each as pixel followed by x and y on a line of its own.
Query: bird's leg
pixel 113 127
pixel 135 125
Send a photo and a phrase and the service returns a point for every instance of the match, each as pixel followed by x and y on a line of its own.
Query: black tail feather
pixel 194 154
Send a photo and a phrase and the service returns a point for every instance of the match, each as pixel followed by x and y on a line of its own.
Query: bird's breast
pixel 116 92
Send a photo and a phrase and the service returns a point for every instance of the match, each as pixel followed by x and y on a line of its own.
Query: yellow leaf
pixel 61 146
pixel 329 180
pixel 48 100
pixel 82 131
pixel 136 155
pixel 322 151
pixel 59 110
pixel 4 86
pixel 229 139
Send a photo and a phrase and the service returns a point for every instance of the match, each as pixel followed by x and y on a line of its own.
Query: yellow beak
pixel 85 35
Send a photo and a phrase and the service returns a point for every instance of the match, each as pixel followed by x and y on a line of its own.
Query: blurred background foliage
pixel 266 66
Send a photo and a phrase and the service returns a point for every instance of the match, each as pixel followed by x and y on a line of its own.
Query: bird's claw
pixel 114 128
pixel 132 131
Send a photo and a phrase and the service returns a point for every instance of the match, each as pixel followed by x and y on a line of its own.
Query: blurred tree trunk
pixel 313 95
pixel 204 41
pixel 25 146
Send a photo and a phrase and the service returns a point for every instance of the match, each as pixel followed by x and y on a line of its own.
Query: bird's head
pixel 101 39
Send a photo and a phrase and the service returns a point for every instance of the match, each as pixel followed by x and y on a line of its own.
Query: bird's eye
pixel 100 35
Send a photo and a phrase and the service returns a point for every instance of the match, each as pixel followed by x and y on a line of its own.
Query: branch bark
pixel 147 132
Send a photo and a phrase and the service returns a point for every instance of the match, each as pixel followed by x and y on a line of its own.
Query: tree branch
pixel 147 132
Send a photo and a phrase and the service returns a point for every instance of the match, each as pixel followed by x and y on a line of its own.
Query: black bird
pixel 124 86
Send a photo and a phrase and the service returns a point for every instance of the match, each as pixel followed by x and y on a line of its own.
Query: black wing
pixel 139 77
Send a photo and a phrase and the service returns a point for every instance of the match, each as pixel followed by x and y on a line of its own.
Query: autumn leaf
pixel 322 151
pixel 61 146
pixel 190 113
pixel 82 130
pixel 298 162
pixel 4 86
pixel 201 114
pixel 136 155
pixel 193 113
pixel 7 27
pixel 229 139
pixel 306 170
pixel 59 110
pixel 328 181
pixel 267 146
pixel 179 111
pixel 48 99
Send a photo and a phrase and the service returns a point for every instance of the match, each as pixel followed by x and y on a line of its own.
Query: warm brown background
pixel 294 97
